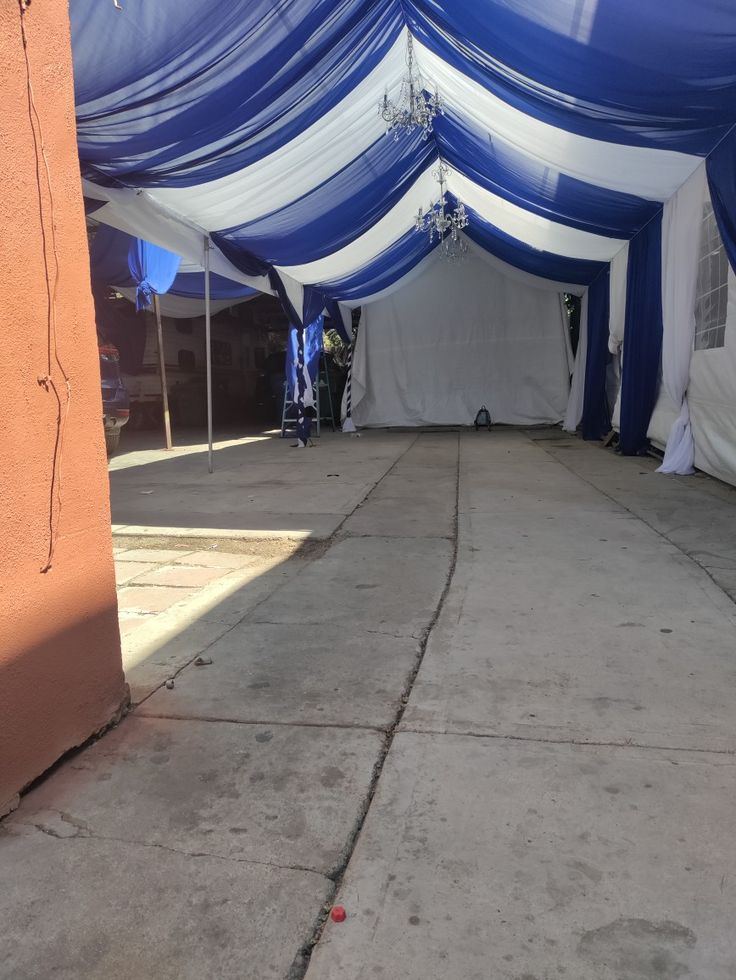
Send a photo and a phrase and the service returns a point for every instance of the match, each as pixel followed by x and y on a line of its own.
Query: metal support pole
pixel 162 371
pixel 208 350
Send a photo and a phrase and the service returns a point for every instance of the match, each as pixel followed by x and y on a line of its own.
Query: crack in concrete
pixel 548 740
pixel 690 555
pixel 260 723
pixel 84 833
pixel 320 549
pixel 302 960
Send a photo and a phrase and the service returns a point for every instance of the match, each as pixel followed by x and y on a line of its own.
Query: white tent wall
pixel 575 401
pixel 711 381
pixel 712 398
pixel 459 336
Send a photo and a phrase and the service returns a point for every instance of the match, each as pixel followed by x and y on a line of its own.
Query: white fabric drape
pixel 711 395
pixel 619 269
pixel 681 224
pixel 617 299
pixel 515 221
pixel 574 411
pixel 566 334
pixel 647 172
pixel 350 127
pixel 456 338
pixel 185 307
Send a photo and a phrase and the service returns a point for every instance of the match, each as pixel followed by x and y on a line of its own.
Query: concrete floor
pixel 488 708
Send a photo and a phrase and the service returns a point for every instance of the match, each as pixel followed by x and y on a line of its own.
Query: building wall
pixel 61 677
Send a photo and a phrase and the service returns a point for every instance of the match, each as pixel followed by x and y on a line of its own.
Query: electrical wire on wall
pixel 53 361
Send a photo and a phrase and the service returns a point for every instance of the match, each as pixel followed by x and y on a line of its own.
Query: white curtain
pixel 616 327
pixel 681 223
pixel 617 297
pixel 456 338
pixel 574 411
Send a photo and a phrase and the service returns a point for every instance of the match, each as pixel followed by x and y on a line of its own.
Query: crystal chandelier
pixel 415 107
pixel 442 223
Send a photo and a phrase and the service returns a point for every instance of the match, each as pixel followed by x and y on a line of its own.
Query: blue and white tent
pixel 118 259
pixel 588 140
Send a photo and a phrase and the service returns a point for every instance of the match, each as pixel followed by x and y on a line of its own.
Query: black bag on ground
pixel 483 419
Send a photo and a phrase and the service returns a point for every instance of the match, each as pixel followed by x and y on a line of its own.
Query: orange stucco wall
pixel 61 677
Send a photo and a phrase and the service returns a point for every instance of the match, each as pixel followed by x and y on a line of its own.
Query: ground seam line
pixel 501 737
pixel 327 545
pixel 301 963
pixel 633 513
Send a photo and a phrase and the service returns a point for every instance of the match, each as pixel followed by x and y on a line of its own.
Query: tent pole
pixel 208 350
pixel 162 371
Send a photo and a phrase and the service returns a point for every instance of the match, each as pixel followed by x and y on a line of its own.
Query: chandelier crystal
pixel 442 223
pixel 416 108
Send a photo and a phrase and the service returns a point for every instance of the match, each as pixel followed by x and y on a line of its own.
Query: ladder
pixel 288 412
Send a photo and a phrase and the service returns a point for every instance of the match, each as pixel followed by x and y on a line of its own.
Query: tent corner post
pixel 162 373
pixel 208 351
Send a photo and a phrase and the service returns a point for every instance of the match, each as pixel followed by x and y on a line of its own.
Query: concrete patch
pixel 85 909
pixel 160 647
pixel 150 599
pixel 279 795
pixel 217 559
pixel 488 858
pixel 181 576
pixel 127 570
pixel 318 674
pixel 387 584
pixel 155 556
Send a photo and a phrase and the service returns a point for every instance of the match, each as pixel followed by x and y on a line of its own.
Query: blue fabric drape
pixel 313 344
pixel 333 311
pixel 559 268
pixel 386 269
pixel 112 252
pixel 596 420
pixel 631 71
pixel 504 169
pixel 118 259
pixel 642 350
pixel 170 96
pixel 252 265
pixel 303 350
pixel 153 269
pixel 248 80
pixel 721 170
pixel 191 286
pixel 339 210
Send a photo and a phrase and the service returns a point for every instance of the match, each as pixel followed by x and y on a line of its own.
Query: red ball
pixel 338 913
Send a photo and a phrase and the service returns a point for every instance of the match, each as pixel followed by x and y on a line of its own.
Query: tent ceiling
pixel 568 123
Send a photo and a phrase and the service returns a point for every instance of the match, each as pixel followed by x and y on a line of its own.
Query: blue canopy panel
pixel 383 271
pixel 190 285
pixel 183 97
pixel 503 169
pixel 640 72
pixel 118 259
pixel 313 346
pixel 596 111
pixel 558 268
pixel 342 208
pixel 721 170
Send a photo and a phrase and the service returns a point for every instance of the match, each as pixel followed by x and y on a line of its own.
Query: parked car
pixel 115 401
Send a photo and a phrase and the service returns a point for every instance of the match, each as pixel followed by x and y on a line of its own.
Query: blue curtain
pixel 721 170
pixel 118 259
pixel 596 415
pixel 153 269
pixel 643 337
pixel 312 351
